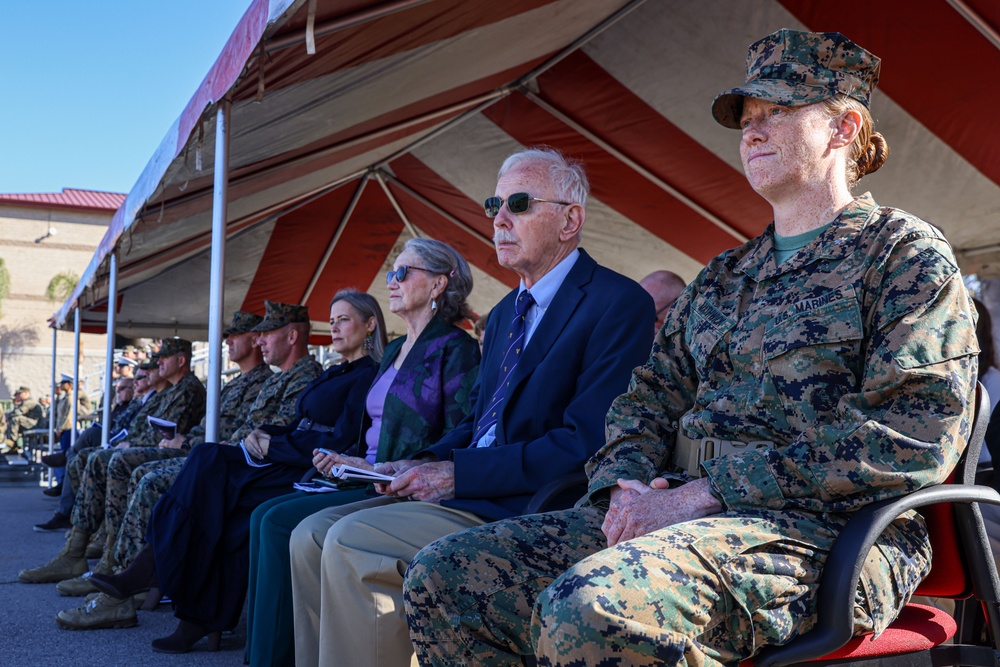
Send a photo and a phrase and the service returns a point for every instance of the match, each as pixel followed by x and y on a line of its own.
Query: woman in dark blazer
pixel 199 530
pixel 422 391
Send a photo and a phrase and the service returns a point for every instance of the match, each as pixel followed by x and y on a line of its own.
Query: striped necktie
pixel 509 363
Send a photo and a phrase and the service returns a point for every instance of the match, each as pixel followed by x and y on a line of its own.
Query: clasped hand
pixel 637 509
pixel 257 443
pixel 176 443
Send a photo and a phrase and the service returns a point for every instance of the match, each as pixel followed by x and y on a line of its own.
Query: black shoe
pixel 57 460
pixel 53 492
pixel 57 522
pixel 139 576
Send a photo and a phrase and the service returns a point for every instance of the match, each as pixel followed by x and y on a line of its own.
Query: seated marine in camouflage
pixel 182 403
pixel 824 365
pixel 22 417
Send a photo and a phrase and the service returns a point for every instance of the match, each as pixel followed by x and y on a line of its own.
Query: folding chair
pixel 962 569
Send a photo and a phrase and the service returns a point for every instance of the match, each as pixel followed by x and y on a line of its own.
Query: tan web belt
pixel 690 454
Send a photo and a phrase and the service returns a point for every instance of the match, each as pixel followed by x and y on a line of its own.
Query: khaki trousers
pixel 348 564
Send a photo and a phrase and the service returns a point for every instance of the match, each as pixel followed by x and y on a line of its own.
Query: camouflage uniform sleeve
pixel 183 404
pixel 641 423
pixel 906 426
pixel 275 404
pixel 140 433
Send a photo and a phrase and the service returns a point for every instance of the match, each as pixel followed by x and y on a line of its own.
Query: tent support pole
pixel 52 401
pixel 76 376
pixel 336 237
pixel 110 359
pixel 218 268
pixel 437 209
pixel 399 209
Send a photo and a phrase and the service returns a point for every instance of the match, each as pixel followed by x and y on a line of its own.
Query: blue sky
pixel 89 89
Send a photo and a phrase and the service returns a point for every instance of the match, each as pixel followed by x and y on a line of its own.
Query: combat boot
pixel 70 562
pixel 100 611
pixel 80 586
pixel 95 548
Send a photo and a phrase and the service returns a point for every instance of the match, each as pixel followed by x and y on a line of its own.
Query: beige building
pixel 43 236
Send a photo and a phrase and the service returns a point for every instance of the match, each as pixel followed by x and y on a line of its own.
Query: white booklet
pixel 252 460
pixel 165 428
pixel 346 472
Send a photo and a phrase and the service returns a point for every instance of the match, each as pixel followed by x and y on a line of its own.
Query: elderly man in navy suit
pixel 559 349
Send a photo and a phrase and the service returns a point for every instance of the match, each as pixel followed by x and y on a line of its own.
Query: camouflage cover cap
pixel 128 348
pixel 23 390
pixel 243 322
pixel 148 365
pixel 794 68
pixel 280 314
pixel 171 346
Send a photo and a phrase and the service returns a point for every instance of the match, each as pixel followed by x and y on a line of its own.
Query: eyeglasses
pixel 517 203
pixel 400 273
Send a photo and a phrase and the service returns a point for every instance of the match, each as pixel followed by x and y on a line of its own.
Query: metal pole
pixel 218 268
pixel 52 404
pixel 76 376
pixel 110 360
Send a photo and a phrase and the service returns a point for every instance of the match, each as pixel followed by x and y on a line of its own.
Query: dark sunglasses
pixel 400 273
pixel 517 203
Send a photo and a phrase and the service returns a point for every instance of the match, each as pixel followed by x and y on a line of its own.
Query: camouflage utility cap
pixel 281 314
pixel 243 322
pixel 171 346
pixel 795 68
pixel 23 390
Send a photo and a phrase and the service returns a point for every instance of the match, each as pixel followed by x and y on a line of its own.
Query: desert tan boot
pixel 100 611
pixel 80 586
pixel 70 562
pixel 95 548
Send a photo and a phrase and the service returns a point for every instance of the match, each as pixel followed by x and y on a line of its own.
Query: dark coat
pixel 432 391
pixel 579 359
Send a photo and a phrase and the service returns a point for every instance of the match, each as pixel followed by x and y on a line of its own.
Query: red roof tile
pixel 90 200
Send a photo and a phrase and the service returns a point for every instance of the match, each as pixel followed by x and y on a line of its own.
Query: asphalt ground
pixel 31 637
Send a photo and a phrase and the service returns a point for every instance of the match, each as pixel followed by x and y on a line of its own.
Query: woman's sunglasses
pixel 400 273
pixel 517 203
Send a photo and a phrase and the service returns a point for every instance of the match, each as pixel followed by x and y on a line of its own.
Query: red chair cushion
pixel 917 628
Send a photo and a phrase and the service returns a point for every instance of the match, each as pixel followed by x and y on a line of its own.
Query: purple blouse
pixel 374 404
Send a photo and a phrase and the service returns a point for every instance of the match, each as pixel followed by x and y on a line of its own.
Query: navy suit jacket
pixel 579 359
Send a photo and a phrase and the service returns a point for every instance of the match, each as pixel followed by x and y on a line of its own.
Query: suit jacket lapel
pixel 558 315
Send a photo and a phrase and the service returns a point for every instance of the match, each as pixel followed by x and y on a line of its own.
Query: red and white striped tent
pixel 358 123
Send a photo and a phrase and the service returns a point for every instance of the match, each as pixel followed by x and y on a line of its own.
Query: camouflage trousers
pixel 75 467
pixel 120 469
pixel 88 510
pixel 103 491
pixel 148 483
pixel 706 592
pixel 17 425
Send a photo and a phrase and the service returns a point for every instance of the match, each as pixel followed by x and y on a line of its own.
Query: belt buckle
pixel 304 424
pixel 735 446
